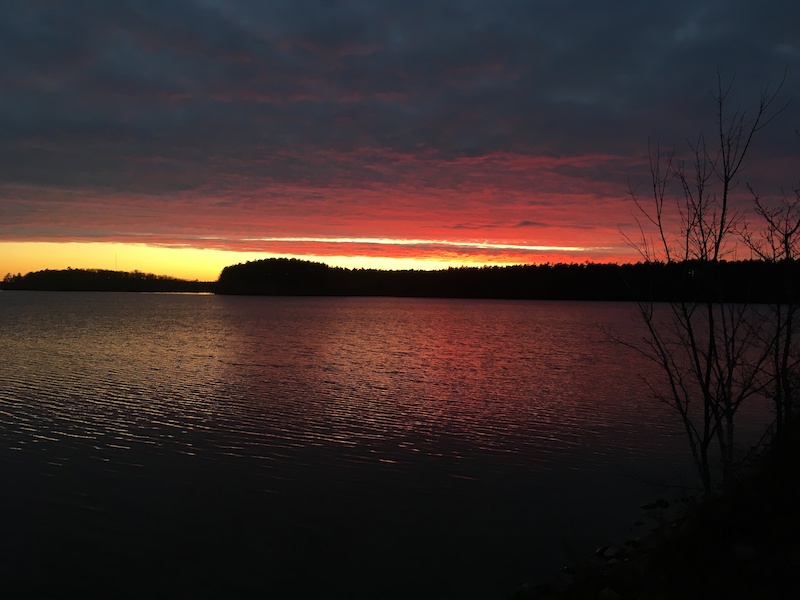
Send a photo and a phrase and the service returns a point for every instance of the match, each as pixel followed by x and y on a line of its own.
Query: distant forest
pixel 735 281
pixel 740 281
pixel 101 281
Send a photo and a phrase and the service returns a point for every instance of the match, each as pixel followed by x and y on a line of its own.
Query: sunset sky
pixel 180 136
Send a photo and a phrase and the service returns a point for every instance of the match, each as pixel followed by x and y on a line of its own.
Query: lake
pixel 210 446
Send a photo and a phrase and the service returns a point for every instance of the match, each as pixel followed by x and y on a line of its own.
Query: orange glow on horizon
pixel 205 263
pixel 423 212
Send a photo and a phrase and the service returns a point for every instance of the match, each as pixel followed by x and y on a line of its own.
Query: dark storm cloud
pixel 158 96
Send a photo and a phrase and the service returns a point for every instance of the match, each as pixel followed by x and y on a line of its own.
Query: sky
pixel 181 136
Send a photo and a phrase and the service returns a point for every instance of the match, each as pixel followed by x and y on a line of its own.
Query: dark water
pixel 203 446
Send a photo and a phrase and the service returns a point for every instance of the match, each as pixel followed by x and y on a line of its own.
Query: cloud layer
pixel 508 122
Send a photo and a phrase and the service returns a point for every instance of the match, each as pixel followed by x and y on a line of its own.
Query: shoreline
pixel 741 544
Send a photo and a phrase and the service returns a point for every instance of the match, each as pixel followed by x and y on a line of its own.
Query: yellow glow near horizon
pixel 184 263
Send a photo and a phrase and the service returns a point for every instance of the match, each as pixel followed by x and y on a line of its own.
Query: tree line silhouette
pixel 100 280
pixel 751 281
pixel 736 281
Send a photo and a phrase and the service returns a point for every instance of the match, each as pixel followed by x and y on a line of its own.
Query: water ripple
pixel 314 419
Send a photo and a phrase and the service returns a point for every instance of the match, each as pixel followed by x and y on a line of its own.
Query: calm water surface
pixel 213 446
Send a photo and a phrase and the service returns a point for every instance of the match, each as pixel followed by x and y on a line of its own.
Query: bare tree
pixel 777 242
pixel 709 349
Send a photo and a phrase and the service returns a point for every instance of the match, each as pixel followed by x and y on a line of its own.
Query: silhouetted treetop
pixel 100 280
pixel 751 281
pixel 740 281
